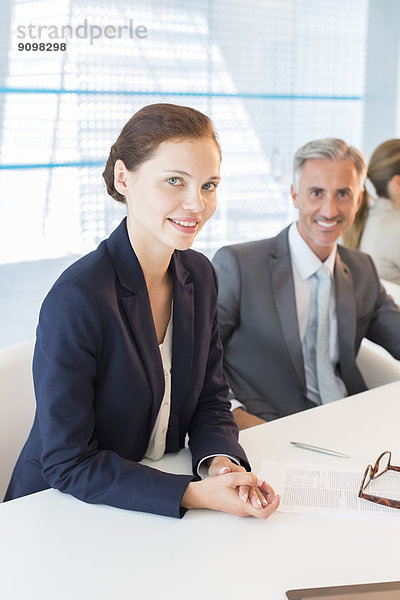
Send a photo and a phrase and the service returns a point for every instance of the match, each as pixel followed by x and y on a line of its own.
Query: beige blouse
pixel 381 238
pixel 156 447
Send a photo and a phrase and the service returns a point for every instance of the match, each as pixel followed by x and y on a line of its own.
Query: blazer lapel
pixel 183 332
pixel 346 319
pixel 138 312
pixel 136 304
pixel 285 301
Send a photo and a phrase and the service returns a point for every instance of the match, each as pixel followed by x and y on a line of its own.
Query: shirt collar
pixel 306 262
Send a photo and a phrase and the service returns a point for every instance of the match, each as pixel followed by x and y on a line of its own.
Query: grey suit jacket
pixel 263 355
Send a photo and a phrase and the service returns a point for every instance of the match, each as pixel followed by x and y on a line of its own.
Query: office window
pixel 271 74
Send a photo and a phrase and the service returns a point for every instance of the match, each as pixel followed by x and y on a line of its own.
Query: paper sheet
pixel 329 490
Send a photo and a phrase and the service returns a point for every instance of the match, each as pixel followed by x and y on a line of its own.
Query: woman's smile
pixel 188 226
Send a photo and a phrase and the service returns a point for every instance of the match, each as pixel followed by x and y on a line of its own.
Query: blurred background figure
pixel 376 229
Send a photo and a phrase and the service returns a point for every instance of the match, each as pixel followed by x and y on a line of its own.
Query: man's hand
pixel 244 420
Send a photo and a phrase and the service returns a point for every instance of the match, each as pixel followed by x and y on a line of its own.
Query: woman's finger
pixel 220 465
pixel 267 511
pixel 243 491
pixel 257 498
pixel 244 478
pixel 267 491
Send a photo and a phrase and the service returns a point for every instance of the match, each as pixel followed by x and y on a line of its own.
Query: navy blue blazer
pixel 99 382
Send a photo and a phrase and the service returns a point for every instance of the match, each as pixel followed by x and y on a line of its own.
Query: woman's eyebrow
pixel 212 178
pixel 178 171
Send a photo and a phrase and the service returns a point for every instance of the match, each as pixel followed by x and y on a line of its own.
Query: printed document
pixel 330 490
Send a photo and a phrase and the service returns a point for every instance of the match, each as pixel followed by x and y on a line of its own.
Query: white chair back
pixel 17 406
pixel 393 289
pixel 377 366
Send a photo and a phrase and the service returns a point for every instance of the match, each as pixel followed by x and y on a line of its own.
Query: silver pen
pixel 319 449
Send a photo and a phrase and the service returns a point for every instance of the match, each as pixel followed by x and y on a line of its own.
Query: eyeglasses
pixel 381 466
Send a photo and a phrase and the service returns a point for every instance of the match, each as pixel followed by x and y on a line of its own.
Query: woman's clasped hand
pixel 231 489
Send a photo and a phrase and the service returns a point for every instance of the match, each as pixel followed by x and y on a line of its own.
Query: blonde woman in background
pixel 376 229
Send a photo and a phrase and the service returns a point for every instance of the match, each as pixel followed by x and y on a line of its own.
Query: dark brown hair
pixel 146 129
pixel 384 164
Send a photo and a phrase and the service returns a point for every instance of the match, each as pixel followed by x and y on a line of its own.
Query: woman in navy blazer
pixel 98 371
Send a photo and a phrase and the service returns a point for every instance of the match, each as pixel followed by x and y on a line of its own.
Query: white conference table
pixel 54 546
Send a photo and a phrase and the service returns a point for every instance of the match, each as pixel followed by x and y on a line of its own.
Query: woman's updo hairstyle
pixel 383 165
pixel 147 129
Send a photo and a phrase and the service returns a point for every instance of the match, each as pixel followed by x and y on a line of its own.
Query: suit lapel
pixel 285 301
pixel 136 304
pixel 183 332
pixel 138 312
pixel 346 318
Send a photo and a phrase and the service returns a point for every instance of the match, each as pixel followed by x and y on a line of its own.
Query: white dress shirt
pixel 305 264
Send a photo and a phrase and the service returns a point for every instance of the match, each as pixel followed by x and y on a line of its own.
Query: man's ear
pixel 294 195
pixel 120 177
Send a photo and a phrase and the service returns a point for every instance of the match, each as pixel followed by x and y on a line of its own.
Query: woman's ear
pixel 393 189
pixel 120 177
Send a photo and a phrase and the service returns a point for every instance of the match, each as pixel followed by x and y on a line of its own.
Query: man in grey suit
pixel 290 341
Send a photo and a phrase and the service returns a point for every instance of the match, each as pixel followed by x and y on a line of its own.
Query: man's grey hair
pixel 331 149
